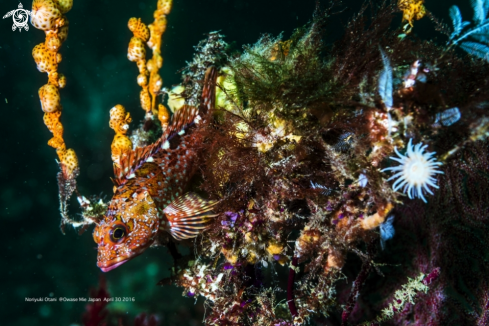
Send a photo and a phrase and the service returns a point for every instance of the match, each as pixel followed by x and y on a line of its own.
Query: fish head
pixel 130 226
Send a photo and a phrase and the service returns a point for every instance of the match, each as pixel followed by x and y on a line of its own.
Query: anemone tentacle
pixel 416 172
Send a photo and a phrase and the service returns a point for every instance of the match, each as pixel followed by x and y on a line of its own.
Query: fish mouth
pixel 113 266
pixel 107 266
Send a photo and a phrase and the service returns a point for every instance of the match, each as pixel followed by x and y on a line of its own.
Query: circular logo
pixel 20 17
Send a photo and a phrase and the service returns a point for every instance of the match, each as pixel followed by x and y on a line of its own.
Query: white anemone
pixel 416 171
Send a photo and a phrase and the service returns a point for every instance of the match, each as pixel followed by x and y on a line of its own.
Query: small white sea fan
pixel 416 171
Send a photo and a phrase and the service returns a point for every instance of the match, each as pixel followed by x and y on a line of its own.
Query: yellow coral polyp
pixel 163 8
pixel 52 42
pixel 155 84
pixel 119 122
pixel 121 145
pixel 62 32
pixel 45 15
pixel 50 98
pixel 411 10
pixel 163 116
pixel 138 28
pixel 69 162
pixel 61 81
pixel 136 50
pixel 275 248
pixel 46 60
pixel 57 143
pixel 145 99
pixel 51 120
pixel 142 80
pixel 119 119
pixel 64 5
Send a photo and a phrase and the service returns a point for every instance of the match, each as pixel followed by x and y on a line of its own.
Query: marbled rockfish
pixel 150 183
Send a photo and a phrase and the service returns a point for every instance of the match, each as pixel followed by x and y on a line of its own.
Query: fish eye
pixel 117 233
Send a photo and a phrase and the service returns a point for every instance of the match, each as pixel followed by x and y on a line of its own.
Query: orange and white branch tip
pixel 119 121
pixel 48 15
pixel 149 78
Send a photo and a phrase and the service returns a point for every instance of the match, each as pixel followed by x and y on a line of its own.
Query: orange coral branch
pixel 148 78
pixel 48 16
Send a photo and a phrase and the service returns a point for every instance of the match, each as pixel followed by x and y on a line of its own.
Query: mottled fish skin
pixel 150 183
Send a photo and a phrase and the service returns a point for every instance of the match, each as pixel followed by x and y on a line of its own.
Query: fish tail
pixel 188 215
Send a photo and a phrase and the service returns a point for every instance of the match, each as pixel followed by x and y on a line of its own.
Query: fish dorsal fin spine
pixel 208 98
pixel 182 118
pixel 130 162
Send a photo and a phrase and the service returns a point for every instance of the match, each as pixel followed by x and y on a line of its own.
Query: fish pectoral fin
pixel 188 215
